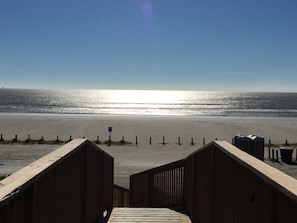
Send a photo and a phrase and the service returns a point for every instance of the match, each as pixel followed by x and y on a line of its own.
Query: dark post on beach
pixel 109 139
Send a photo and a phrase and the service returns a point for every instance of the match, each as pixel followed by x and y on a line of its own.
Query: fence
pixel 159 187
pixel 221 184
pixel 71 184
pixel 121 196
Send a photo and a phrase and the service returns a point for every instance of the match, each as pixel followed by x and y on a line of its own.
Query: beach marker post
pixel 136 140
pixel 204 141
pixel 178 140
pixel 109 138
pixel 150 140
pixel 192 141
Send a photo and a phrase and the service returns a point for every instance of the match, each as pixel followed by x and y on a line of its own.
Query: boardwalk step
pixel 129 215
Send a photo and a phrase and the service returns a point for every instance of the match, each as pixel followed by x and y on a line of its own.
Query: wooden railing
pixel 121 196
pixel 221 184
pixel 72 184
pixel 159 187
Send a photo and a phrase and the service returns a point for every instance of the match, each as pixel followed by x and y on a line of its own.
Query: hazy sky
pixel 149 44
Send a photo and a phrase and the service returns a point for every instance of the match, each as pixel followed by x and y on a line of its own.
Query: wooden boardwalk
pixel 127 215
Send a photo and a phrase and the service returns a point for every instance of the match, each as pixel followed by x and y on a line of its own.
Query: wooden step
pixel 127 215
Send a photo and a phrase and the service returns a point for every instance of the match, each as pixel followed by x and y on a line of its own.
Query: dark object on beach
pixel 252 144
pixel 286 155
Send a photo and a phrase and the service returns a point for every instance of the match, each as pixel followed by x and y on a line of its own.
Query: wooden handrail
pixel 222 184
pixel 71 184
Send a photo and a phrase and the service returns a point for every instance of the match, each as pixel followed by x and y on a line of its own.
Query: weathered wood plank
pixel 126 215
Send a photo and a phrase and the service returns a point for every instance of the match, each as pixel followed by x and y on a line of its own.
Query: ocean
pixel 148 102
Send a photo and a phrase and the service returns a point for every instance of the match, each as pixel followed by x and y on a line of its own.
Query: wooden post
pixel 70 138
pixel 123 139
pixel 150 140
pixel 28 139
pixel 273 154
pixel 136 140
pixel 269 155
pixel 16 138
pixel 203 141
pixel 286 142
pixel 192 141
pixel 1 137
pixel 276 155
pixel 178 140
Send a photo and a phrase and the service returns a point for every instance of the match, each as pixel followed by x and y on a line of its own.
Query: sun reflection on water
pixel 145 96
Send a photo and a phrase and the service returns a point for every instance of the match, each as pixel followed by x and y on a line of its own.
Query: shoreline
pixel 143 115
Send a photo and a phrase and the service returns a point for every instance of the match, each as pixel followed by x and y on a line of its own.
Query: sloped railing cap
pixel 22 178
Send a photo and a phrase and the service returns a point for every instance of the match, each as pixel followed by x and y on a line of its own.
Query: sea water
pixel 148 102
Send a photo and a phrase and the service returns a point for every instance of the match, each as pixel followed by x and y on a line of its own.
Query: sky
pixel 233 45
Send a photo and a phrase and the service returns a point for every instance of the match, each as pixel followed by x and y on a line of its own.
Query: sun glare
pixel 146 96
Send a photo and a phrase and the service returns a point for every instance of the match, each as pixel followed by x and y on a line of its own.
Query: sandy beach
pixel 132 158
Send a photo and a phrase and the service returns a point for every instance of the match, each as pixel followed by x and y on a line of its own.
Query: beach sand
pixel 132 158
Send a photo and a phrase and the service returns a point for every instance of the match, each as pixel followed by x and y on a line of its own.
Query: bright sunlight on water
pixel 147 102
